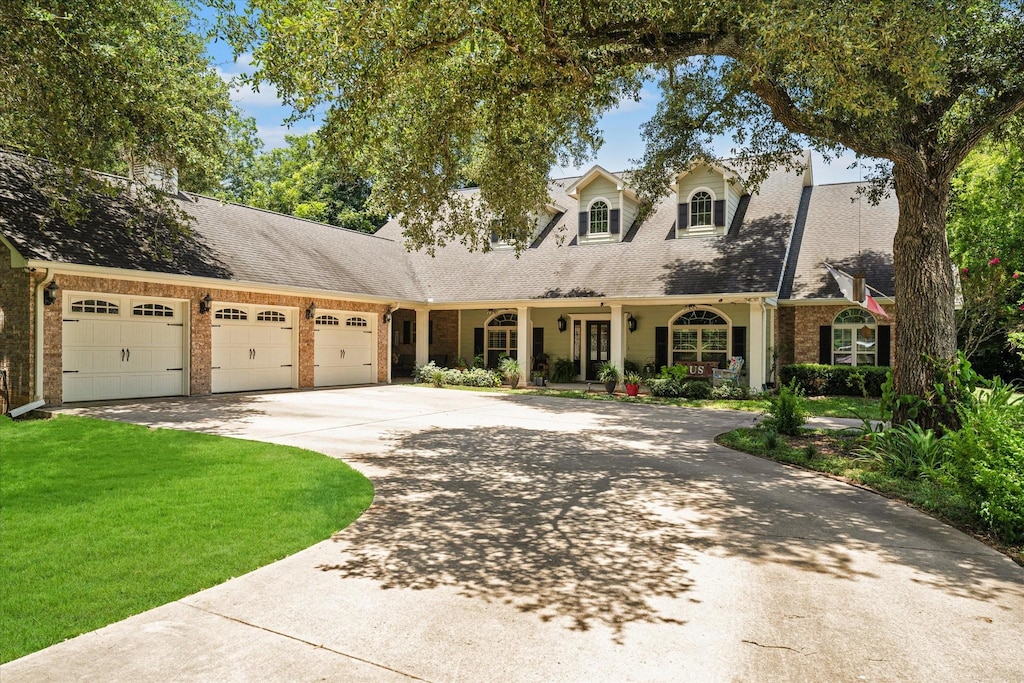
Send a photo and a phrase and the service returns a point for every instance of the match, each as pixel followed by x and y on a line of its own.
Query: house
pixel 121 305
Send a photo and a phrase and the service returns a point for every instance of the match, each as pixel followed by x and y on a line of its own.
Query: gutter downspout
pixel 40 309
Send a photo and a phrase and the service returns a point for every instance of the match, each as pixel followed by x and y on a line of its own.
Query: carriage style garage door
pixel 122 347
pixel 252 347
pixel 344 348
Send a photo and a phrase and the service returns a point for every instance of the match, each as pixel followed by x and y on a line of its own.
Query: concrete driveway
pixel 537 539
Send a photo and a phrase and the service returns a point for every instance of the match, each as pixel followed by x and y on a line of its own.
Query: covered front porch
pixel 631 334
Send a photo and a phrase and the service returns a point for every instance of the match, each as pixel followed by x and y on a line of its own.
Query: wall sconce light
pixel 311 311
pixel 387 315
pixel 50 293
pixel 205 304
pixel 562 323
pixel 630 322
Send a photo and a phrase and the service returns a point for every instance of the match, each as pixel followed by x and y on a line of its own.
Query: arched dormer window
pixel 854 338
pixel 599 217
pixel 701 209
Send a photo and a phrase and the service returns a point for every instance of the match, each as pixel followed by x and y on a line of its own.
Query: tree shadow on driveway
pixel 601 527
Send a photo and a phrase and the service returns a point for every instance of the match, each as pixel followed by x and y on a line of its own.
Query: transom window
pixel 271 317
pixel 854 338
pixel 356 322
pixel 701 204
pixel 502 338
pixel 599 218
pixel 327 321
pixel 230 314
pixel 95 306
pixel 153 311
pixel 700 336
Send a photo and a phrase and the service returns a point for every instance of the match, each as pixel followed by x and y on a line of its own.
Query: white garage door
pixel 122 347
pixel 344 349
pixel 252 348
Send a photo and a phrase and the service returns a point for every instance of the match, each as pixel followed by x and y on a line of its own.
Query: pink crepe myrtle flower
pixel 963 271
pixel 994 262
pixel 1016 274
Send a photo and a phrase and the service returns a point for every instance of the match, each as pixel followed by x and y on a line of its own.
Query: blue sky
pixel 620 127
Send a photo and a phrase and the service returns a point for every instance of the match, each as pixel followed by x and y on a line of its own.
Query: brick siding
pixel 798 330
pixel 17 330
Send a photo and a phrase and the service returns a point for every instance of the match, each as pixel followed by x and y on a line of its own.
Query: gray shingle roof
pixel 225 241
pixel 243 244
pixel 847 231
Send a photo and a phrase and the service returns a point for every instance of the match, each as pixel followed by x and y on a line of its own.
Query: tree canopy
pixel 304 180
pixel 424 93
pixel 91 83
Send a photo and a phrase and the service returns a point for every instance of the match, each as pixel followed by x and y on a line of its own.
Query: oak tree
pixel 423 93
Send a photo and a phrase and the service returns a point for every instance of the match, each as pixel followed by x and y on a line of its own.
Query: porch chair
pixel 728 374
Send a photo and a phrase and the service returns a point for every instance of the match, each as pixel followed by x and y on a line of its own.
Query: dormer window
pixel 599 218
pixel 701 204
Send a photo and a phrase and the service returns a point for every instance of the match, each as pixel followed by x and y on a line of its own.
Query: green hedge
pixel 835 380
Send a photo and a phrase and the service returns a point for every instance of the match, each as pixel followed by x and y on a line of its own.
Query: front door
pixel 598 346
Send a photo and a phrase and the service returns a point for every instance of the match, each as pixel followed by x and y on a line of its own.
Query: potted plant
pixel 609 374
pixel 511 370
pixel 632 380
pixel 538 379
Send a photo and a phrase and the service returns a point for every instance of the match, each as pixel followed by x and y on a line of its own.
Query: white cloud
pixel 627 105
pixel 273 136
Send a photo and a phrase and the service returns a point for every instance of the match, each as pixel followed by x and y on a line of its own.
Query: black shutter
pixel 583 224
pixel 538 341
pixel 660 347
pixel 739 342
pixel 494 237
pixel 430 332
pixel 478 341
pixel 407 332
pixel 613 221
pixel 824 345
pixel 884 343
pixel 719 213
pixel 683 219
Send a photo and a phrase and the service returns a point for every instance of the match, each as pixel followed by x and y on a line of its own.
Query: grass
pixel 831 453
pixel 820 406
pixel 103 520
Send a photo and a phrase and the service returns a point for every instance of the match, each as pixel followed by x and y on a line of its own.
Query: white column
pixel 524 344
pixel 422 336
pixel 756 346
pixel 615 350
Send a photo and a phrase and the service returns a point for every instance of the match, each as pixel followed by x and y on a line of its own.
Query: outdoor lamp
pixel 311 311
pixel 562 322
pixel 205 304
pixel 50 293
pixel 631 322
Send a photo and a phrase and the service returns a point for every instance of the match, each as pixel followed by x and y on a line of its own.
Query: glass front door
pixel 598 346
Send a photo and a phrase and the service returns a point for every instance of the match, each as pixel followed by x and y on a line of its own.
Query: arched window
pixel 854 338
pixel 502 338
pixel 701 204
pixel 599 218
pixel 700 335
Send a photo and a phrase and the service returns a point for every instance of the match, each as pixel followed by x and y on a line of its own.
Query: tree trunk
pixel 925 291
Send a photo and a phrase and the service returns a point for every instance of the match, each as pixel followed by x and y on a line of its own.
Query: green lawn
pixel 103 520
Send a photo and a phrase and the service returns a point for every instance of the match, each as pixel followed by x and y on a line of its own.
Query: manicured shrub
pixel 665 387
pixel 472 377
pixel 835 380
pixel 564 370
pixel 731 392
pixel 786 412
pixel 696 390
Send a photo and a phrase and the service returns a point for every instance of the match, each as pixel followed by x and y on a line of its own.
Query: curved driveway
pixel 521 538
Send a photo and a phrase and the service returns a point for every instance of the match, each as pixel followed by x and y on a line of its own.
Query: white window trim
pixel 700 229
pixel 672 327
pixel 600 236
pixel 509 347
pixel 854 329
